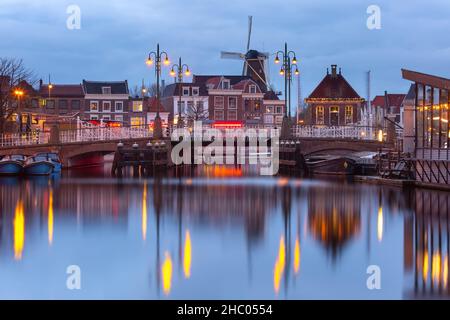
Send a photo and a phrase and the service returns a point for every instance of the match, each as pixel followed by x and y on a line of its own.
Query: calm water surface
pixel 219 233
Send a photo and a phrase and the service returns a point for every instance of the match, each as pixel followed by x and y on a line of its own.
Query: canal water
pixel 217 232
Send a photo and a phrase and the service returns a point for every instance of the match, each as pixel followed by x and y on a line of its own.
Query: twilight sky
pixel 116 36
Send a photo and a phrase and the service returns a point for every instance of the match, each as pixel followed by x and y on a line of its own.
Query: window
pixel 50 104
pixel 75 104
pixel 106 106
pixel 232 114
pixel 279 109
pixel 269 109
pixel 119 106
pixel 93 106
pixel 35 103
pixel 190 106
pixel 94 117
pixel 247 106
pixel 180 106
pixel 137 121
pixel 232 103
pixel 199 106
pixel 218 102
pixel 106 117
pixel 252 88
pixel 137 106
pixel 218 114
pixel 63 104
pixel 106 90
pixel 320 111
pixel 257 106
pixel 118 118
pixel 195 91
pixel 348 114
pixel 185 91
pixel 268 119
pixel 226 84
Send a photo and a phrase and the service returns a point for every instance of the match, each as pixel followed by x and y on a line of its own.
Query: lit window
pixel 93 106
pixel 320 118
pixel 106 90
pixel 348 114
pixel 137 106
pixel 137 121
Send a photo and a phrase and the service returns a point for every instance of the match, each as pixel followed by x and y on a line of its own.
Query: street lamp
pixel 289 66
pixel 155 57
pixel 177 71
pixel 19 94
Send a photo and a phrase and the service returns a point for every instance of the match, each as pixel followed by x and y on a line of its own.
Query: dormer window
pixel 185 91
pixel 195 91
pixel 106 90
pixel 252 88
pixel 225 84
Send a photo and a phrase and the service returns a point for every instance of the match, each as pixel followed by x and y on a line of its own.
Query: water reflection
pixel 19 230
pixel 202 236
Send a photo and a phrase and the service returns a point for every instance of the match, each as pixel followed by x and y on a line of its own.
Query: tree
pixel 13 74
pixel 136 91
pixel 196 112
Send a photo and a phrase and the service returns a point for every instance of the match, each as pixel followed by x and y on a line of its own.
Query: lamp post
pixel 155 57
pixel 177 71
pixel 19 94
pixel 288 67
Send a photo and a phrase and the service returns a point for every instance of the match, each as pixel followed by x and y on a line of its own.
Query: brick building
pixel 106 100
pixel 334 102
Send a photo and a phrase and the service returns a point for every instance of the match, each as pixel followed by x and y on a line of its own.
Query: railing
pixel 432 171
pixel 104 134
pixel 337 132
pixel 24 139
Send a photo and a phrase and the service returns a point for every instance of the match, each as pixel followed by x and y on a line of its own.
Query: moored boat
pixel 327 164
pixel 53 158
pixel 11 165
pixel 38 166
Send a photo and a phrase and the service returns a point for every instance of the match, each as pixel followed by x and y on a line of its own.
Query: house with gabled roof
pixel 334 102
pixel 106 100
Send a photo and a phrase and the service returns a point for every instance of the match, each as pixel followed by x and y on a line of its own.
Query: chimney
pixel 328 71
pixel 333 70
pixel 340 71
pixel 40 83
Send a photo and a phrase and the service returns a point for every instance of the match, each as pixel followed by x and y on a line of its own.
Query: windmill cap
pixel 254 54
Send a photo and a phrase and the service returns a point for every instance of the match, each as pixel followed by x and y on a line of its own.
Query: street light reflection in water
pixel 243 237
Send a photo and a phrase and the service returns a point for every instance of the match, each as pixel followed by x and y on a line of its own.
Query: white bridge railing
pixel 337 132
pixel 24 139
pixel 87 133
pixel 104 134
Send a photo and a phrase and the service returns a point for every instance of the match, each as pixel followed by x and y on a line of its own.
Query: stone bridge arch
pixel 338 147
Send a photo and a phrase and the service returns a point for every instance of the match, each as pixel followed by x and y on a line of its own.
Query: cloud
pixel 116 36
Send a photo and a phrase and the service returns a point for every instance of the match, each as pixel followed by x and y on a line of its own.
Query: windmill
pixel 255 62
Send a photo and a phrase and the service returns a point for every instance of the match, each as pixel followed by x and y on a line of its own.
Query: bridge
pixel 88 144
